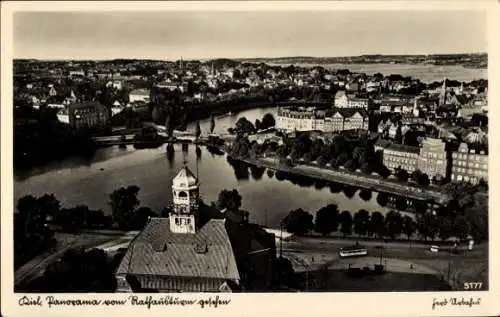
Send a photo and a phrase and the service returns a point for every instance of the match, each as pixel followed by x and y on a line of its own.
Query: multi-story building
pixel 139 95
pixel 469 165
pixel 342 100
pixel 353 119
pixel 309 119
pixel 401 156
pixel 432 160
pixel 186 253
pixel 353 102
pixel 87 115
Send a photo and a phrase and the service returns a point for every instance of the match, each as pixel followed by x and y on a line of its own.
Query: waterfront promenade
pixel 350 178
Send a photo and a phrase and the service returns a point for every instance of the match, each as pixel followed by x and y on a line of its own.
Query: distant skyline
pixel 207 35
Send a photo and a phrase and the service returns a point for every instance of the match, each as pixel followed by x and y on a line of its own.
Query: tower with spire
pixel 442 96
pixel 181 64
pixel 185 191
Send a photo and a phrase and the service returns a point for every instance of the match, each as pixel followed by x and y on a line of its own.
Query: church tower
pixel 442 96
pixel 185 190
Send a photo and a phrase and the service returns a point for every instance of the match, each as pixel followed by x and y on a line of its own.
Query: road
pixel 390 249
pixel 315 254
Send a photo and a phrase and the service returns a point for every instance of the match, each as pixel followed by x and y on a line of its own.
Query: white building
pixel 139 95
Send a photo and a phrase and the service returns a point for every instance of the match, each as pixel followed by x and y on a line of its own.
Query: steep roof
pixel 159 252
pixel 140 91
pixel 82 105
pixel 383 143
pixel 404 148
pixel 349 112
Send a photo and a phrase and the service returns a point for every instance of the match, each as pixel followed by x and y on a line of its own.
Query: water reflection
pixel 170 154
pixel 270 173
pixel 257 172
pixel 198 153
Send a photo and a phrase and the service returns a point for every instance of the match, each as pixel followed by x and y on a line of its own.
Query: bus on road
pixel 353 251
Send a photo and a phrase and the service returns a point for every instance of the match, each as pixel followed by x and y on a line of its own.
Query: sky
pixel 204 35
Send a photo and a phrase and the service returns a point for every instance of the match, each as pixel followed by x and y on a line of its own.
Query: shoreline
pixel 352 179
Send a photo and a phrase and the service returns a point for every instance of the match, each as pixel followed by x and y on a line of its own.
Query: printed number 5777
pixel 473 286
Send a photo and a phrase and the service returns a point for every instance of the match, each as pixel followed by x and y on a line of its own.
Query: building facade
pixel 309 119
pixel 174 254
pixel 432 159
pixel 142 95
pixel 353 102
pixel 87 115
pixel 401 156
pixel 469 165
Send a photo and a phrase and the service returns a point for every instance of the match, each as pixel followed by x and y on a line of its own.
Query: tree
pixel 212 124
pixel 377 224
pixel 321 161
pixel 307 158
pixel 282 152
pixel 445 227
pixel 29 215
pixel 243 126
pixel 327 220
pixel 229 199
pixel 156 115
pixel 123 202
pixel 80 271
pixel 294 155
pixel 48 206
pixel 345 223
pixel 197 130
pixel 298 222
pixel 258 124
pixel 394 223
pixel 365 194
pixel 334 163
pixel 342 158
pixel 402 174
pixel 423 179
pixel 367 168
pixel 361 222
pixel 141 217
pixel 460 228
pixel 350 165
pixel 428 225
pixel 169 127
pixel 382 199
pixel 317 149
pixel 408 226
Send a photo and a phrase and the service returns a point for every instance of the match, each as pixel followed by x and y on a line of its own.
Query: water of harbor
pixel 425 73
pixel 267 197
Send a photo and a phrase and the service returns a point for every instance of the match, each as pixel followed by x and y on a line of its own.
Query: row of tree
pixel 244 127
pixel 329 219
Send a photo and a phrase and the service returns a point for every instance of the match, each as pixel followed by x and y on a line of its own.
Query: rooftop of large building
pixel 404 148
pixel 140 91
pixel 157 251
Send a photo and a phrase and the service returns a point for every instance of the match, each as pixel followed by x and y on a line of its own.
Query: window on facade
pixel 459 177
